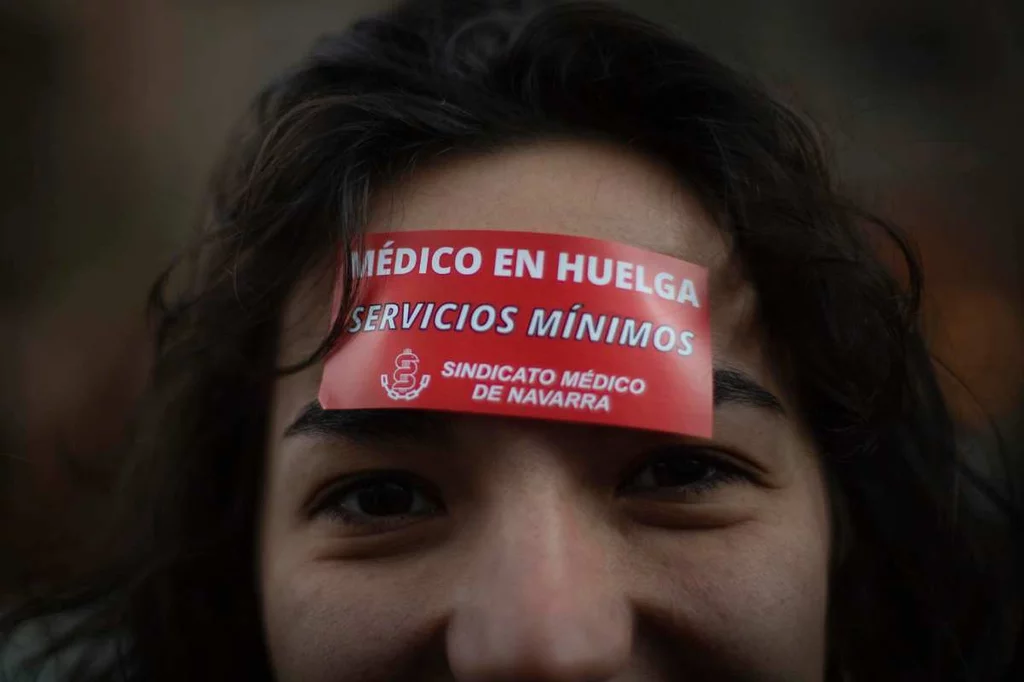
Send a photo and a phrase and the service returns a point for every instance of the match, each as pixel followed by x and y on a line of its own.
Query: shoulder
pixel 49 649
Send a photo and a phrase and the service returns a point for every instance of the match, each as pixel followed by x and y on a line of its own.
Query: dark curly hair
pixel 924 559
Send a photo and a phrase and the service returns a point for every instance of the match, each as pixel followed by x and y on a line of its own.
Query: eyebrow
pixel 370 425
pixel 731 387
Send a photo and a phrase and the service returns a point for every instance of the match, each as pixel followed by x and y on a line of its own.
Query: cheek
pixel 756 593
pixel 322 617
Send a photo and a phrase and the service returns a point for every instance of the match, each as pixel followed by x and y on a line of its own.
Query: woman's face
pixel 503 549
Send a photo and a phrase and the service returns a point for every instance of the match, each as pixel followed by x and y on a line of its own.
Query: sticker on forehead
pixel 525 324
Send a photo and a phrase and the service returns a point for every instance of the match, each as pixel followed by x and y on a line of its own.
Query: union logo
pixel 403 384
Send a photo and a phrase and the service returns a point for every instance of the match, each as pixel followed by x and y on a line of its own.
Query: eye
pixel 381 500
pixel 682 472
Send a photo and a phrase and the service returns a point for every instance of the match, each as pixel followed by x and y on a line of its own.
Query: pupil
pixel 680 472
pixel 386 499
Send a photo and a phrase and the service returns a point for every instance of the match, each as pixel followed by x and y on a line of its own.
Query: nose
pixel 539 602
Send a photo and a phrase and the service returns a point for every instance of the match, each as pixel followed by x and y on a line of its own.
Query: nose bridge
pixel 539 601
pixel 538 543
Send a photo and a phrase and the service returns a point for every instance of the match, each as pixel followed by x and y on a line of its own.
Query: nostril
pixel 591 642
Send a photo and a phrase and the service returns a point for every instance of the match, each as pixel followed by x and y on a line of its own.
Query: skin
pixel 537 551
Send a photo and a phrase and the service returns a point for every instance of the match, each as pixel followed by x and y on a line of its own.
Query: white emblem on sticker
pixel 403 384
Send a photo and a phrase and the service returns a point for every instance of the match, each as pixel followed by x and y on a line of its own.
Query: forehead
pixel 567 187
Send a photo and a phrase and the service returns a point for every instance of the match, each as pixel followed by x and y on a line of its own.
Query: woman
pixel 826 531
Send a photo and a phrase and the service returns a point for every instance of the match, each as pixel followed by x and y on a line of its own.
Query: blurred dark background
pixel 114 110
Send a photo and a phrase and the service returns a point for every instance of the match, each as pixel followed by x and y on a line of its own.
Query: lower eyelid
pixel 331 508
pixel 336 490
pixel 680 493
pixel 328 505
pixel 355 524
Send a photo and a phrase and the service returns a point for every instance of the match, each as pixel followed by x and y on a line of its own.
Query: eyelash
pixel 722 472
pixel 331 504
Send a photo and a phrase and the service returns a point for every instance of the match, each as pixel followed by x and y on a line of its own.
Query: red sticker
pixel 526 324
